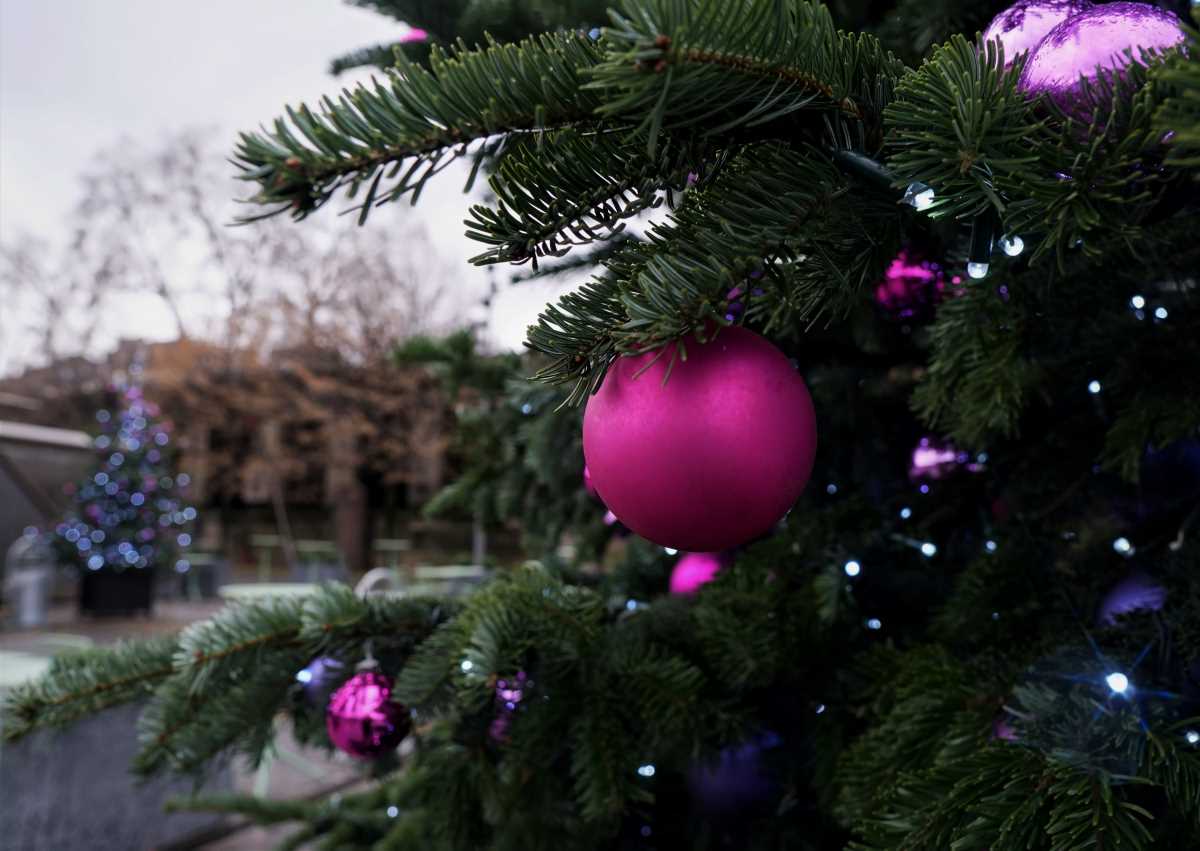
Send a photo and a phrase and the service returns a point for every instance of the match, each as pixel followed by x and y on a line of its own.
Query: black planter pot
pixel 108 593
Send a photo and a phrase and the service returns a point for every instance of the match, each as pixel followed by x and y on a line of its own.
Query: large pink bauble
pixel 363 720
pixel 713 458
pixel 1095 38
pixel 694 570
pixel 1022 26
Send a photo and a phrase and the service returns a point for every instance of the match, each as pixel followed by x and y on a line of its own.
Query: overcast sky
pixel 79 75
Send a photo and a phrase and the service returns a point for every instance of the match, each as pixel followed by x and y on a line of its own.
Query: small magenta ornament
pixel 363 720
pixel 694 570
pixel 912 287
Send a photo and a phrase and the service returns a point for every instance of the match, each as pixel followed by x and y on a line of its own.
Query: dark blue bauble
pixel 1169 480
pixel 738 782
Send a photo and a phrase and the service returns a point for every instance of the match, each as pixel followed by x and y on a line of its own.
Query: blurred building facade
pixel 305 443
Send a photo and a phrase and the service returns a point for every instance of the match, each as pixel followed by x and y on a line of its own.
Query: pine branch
pixel 978 376
pixel 779 223
pixel 382 56
pixel 959 125
pixel 82 684
pixel 570 189
pixel 720 66
pixel 1178 117
pixel 965 87
pixel 410 129
pixel 575 333
pixel 590 259
pixel 234 670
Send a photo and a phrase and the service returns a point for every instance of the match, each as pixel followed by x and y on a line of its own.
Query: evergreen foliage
pixel 471 21
pixel 957 687
pixel 520 462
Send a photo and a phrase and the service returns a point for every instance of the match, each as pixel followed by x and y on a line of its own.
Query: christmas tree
pixel 130 515
pixel 969 618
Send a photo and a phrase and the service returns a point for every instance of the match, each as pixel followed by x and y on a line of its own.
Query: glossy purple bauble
pixel 694 570
pixel 1096 38
pixel 1136 592
pixel 1022 26
pixel 363 720
pixel 711 459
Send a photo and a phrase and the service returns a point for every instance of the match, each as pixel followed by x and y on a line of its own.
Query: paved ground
pixel 301 773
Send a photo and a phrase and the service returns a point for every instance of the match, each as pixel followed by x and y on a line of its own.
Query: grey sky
pixel 78 75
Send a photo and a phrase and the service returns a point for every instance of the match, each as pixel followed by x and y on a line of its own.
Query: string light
pixel 977 271
pixel 1160 313
pixel 990 546
pixel 1118 682
pixel 393 811
pixel 820 708
pixel 1094 387
pixel 905 513
pixel 466 666
pixel 1012 245
pixel 919 196
pixel 852 568
pixel 831 489
pixel 874 624
pixel 1138 302
pixel 1123 546
pixel 1192 736
pixel 929 549
pixel 646 770
pixel 669 551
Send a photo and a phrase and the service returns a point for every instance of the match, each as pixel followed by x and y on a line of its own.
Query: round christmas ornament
pixel 738 782
pixel 932 459
pixel 712 458
pixel 1022 26
pixel 912 287
pixel 694 570
pixel 1003 731
pixel 363 720
pixel 509 694
pixel 1094 41
pixel 1136 592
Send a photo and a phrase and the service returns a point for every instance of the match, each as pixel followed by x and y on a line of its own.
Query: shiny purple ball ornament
pixel 1094 42
pixel 363 720
pixel 1135 593
pixel 1021 27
